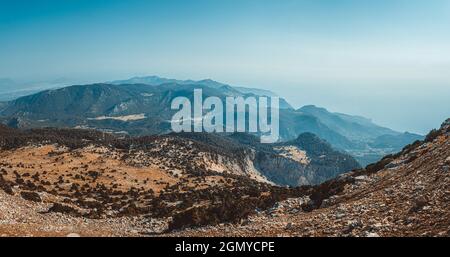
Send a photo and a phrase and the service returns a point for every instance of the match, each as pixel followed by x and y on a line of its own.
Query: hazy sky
pixel 386 59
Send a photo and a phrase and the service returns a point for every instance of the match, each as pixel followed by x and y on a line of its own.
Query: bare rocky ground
pixel 408 196
pixel 21 217
pixel 73 182
pixel 60 187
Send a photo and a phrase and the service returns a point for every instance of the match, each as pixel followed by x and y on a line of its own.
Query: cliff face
pixel 307 160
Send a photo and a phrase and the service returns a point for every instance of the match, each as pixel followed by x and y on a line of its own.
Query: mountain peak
pixel 208 81
pixel 311 107
pixel 309 139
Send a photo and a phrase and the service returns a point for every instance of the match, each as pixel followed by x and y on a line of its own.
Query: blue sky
pixel 387 59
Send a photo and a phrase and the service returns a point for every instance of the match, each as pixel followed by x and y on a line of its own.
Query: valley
pixel 56 182
pixel 204 128
pixel 142 106
pixel 100 160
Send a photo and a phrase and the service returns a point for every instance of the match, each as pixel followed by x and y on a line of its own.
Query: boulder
pixel 31 196
pixel 447 161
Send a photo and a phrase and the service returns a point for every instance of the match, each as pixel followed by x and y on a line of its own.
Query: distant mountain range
pixel 141 106
pixel 10 89
pixel 227 89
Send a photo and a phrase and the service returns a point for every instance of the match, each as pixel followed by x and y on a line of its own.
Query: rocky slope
pixel 79 175
pixel 407 194
pixel 76 182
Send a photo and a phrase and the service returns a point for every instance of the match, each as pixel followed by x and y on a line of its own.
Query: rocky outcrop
pixel 308 160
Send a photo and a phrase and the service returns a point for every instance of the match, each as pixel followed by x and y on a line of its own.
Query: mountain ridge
pixel 107 107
